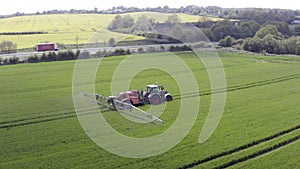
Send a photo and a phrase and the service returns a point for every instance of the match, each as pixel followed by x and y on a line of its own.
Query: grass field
pixel 260 126
pixel 66 28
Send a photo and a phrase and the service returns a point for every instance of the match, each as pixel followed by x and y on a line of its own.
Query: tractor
pixel 154 95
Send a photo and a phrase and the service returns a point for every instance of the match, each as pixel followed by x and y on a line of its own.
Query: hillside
pixel 72 28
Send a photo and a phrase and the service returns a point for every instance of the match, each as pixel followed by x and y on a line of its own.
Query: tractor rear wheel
pixel 155 99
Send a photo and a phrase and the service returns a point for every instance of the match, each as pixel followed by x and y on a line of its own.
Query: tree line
pixel 84 54
pixel 260 15
pixel 243 29
pixel 273 37
pixel 126 24
pixel 268 39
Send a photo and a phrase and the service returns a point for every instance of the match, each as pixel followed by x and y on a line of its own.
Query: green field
pixel 39 127
pixel 66 28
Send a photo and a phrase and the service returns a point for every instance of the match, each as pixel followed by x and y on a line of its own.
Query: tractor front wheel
pixel 169 98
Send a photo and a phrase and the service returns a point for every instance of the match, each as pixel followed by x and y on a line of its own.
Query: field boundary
pixel 23 33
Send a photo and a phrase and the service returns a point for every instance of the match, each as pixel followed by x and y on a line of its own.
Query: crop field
pixel 72 28
pixel 260 127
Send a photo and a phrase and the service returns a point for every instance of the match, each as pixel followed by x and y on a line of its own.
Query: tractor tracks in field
pixel 3 123
pixel 71 114
pixel 248 146
pixel 260 153
pixel 239 87
pixel 96 82
pixel 254 143
pixel 51 23
pixel 41 119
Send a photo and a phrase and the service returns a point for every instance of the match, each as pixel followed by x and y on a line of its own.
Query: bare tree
pixel 112 42
pixel 8 47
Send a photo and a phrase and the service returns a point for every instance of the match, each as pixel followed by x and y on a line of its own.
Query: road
pixel 91 50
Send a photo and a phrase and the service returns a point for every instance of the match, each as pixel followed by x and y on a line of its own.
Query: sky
pixel 32 6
